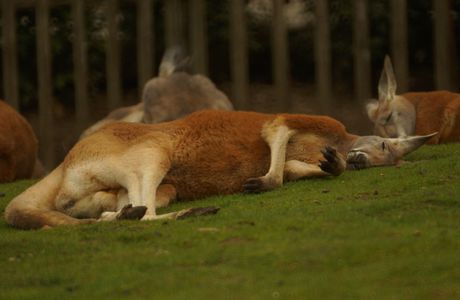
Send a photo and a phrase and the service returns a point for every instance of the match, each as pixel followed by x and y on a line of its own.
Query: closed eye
pixel 388 118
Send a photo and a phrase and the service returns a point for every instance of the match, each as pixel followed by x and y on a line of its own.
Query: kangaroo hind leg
pixel 143 177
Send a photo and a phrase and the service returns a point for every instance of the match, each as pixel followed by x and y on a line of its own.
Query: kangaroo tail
pixel 173 60
pixel 34 208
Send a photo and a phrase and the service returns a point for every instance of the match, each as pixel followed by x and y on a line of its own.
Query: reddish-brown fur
pixel 233 155
pixel 437 111
pixel 418 113
pixel 206 153
pixel 18 146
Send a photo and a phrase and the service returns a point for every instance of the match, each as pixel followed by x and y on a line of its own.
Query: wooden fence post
pixel 362 53
pixel 45 100
pixel 80 63
pixel 198 36
pixel 238 54
pixel 113 57
pixel 323 56
pixel 399 44
pixel 441 44
pixel 174 24
pixel 10 57
pixel 280 56
pixel 145 38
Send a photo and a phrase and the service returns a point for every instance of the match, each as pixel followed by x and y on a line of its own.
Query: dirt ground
pixel 261 98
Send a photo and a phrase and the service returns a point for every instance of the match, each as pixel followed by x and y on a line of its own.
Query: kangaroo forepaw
pixel 332 164
pixel 130 212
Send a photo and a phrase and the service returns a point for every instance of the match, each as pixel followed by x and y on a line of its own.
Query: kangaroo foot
pixel 130 212
pixel 260 184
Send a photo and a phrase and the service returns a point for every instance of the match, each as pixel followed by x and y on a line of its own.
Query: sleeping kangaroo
pixel 170 96
pixel 414 113
pixel 206 153
pixel 18 147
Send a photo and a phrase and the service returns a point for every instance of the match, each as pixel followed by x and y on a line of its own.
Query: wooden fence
pixel 196 34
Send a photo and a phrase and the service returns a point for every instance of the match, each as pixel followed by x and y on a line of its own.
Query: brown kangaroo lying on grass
pixel 170 96
pixel 18 147
pixel 414 113
pixel 204 154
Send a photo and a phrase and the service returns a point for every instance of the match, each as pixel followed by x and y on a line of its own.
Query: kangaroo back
pixel 437 111
pixel 176 93
pixel 34 208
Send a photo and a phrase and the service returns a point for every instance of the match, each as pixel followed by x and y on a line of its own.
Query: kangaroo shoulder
pixel 319 125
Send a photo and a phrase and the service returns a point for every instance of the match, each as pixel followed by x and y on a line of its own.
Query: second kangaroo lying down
pixel 414 113
pixel 204 154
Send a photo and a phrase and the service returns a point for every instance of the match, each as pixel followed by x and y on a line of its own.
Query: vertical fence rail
pixel 323 55
pixel 174 24
pixel 145 39
pixel 10 57
pixel 280 55
pixel 175 34
pixel 113 57
pixel 45 100
pixel 441 44
pixel 80 63
pixel 238 54
pixel 362 53
pixel 399 44
pixel 198 36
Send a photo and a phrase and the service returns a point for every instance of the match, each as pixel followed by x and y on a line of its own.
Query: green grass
pixel 382 233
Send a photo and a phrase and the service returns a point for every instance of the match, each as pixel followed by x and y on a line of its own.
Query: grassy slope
pixel 377 233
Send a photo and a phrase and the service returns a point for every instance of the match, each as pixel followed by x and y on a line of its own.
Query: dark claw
pixel 330 154
pixel 253 185
pixel 326 166
pixel 198 211
pixel 331 164
pixel 128 212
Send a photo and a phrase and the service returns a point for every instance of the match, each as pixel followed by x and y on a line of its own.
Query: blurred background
pixel 67 63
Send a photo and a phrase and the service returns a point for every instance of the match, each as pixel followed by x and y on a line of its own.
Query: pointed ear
pixel 387 83
pixel 406 145
pixel 371 109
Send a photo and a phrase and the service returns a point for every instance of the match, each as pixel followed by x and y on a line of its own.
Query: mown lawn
pixel 383 233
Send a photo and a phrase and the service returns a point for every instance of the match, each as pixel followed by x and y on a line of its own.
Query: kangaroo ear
pixel 387 83
pixel 406 145
pixel 371 109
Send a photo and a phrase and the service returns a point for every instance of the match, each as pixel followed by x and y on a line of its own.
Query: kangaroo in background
pixel 18 147
pixel 414 113
pixel 206 153
pixel 172 95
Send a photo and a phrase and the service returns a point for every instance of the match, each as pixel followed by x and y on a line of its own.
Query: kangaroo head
pixel 372 151
pixel 393 116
